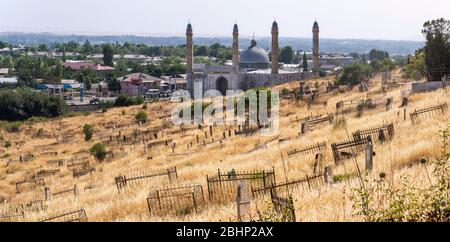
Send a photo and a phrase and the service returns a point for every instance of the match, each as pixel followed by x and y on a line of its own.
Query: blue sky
pixel 376 19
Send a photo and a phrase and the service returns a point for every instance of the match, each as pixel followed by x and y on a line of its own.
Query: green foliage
pixel 23 103
pixel 13 127
pixel 344 177
pixel 415 68
pixel 378 55
pixel 99 151
pixel 114 85
pixel 437 48
pixel 108 55
pixel 141 116
pixel 88 131
pixel 28 70
pixel 305 62
pixel 287 55
pixel 124 101
pixel 40 132
pixel 354 73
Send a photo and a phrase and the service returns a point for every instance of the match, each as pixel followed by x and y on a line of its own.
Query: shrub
pixel 7 144
pixel 40 132
pixel 124 101
pixel 23 103
pixel 104 110
pixel 354 73
pixel 99 151
pixel 141 116
pixel 88 130
pixel 13 127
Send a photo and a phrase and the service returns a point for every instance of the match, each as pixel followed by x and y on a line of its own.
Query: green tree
pixel 114 85
pixel 87 48
pixel 354 73
pixel 287 54
pixel 378 55
pixel 415 68
pixel 305 62
pixel 141 116
pixel 437 47
pixel 108 55
pixel 24 103
pixel 88 131
pixel 99 151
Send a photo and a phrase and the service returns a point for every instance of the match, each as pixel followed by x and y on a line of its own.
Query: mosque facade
pixel 251 68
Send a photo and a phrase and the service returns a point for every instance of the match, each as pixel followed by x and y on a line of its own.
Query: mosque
pixel 251 68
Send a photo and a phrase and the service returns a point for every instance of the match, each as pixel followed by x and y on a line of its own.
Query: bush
pixel 99 151
pixel 354 73
pixel 23 103
pixel 40 132
pixel 104 110
pixel 13 127
pixel 7 144
pixel 141 116
pixel 124 101
pixel 88 130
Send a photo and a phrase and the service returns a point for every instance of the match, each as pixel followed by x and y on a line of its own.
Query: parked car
pixel 152 93
pixel 166 93
pixel 179 96
pixel 94 101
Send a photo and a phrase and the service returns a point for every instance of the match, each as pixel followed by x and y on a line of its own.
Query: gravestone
pixel 389 103
pixel 48 194
pixel 369 156
pixel 242 200
pixel 75 190
pixel 328 175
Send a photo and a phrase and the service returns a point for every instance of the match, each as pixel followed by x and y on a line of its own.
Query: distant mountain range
pixel 400 47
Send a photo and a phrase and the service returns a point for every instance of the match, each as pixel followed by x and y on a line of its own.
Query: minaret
pixel 235 47
pixel 189 50
pixel 316 64
pixel 275 47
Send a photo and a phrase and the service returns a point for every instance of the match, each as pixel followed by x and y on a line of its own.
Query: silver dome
pixel 254 54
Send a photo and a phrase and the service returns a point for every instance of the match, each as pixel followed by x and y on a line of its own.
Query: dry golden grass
pixel 104 203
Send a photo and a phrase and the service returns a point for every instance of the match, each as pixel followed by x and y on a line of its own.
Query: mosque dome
pixel 254 57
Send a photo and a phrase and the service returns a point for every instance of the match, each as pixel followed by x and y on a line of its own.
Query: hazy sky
pixel 374 19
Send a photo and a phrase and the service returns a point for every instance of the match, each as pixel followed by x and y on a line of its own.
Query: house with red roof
pixel 79 65
pixel 138 84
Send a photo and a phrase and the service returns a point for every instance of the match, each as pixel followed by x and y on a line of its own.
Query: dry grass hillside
pixel 63 139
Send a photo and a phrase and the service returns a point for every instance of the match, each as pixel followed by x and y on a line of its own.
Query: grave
pixel 123 182
pixel 348 149
pixel 177 201
pixel 222 187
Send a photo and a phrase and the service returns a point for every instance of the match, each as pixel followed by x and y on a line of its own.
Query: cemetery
pixel 157 171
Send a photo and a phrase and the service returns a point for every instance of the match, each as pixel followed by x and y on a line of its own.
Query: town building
pixel 138 84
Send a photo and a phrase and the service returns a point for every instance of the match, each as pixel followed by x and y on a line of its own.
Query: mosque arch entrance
pixel 222 85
